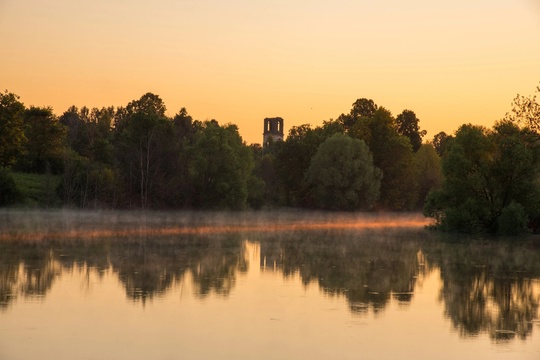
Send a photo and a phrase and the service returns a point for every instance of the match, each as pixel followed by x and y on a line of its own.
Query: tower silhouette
pixel 273 130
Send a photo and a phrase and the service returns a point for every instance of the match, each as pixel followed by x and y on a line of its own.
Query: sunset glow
pixel 239 61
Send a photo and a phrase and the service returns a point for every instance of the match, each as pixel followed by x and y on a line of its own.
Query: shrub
pixel 513 220
pixel 9 192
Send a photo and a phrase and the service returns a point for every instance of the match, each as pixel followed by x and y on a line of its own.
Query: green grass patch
pixel 38 190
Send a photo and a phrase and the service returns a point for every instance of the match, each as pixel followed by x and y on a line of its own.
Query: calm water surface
pixel 113 285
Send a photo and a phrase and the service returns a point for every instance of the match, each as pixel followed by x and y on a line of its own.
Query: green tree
pixel 342 174
pixel 487 173
pixel 294 156
pixel 180 188
pixel 88 179
pixel 442 142
pixel 257 191
pixel 89 132
pixel 266 169
pixel 46 141
pixel 101 134
pixel 526 111
pixel 392 153
pixel 407 125
pixel 144 140
pixel 220 167
pixel 87 183
pixel 428 172
pixel 301 142
pixel 361 108
pixel 72 120
pixel 11 128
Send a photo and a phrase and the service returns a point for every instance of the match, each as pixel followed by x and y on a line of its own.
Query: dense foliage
pixel 11 128
pixel 342 174
pixel 136 156
pixel 490 181
pixel 9 193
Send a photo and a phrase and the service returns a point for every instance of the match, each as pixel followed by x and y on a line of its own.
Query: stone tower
pixel 273 130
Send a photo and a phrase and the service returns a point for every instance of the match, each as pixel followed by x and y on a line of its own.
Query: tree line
pixel 477 179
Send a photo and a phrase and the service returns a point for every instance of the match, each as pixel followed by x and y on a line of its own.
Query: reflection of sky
pixel 267 316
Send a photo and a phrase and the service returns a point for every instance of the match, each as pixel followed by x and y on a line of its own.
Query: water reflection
pixel 368 268
pixel 26 270
pixel 147 267
pixel 486 287
pixel 489 287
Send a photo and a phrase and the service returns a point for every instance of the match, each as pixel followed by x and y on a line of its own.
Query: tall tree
pixel 181 189
pixel 361 108
pixel 89 132
pixel 392 153
pixel 407 125
pixel 11 128
pixel 442 142
pixel 100 134
pixel 303 142
pixel 428 172
pixel 73 121
pixel 143 137
pixel 46 141
pixel 342 174
pixel 88 179
pixel 257 189
pixel 526 111
pixel 220 167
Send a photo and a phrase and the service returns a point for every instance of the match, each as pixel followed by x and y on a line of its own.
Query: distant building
pixel 273 130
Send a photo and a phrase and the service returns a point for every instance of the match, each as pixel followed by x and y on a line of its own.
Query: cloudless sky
pixel 239 61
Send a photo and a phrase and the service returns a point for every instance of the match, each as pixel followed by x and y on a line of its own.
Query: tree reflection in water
pixel 26 270
pixel 486 286
pixel 147 267
pixel 365 267
pixel 489 286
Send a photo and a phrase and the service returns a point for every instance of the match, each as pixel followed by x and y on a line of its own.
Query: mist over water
pixel 39 224
pixel 275 284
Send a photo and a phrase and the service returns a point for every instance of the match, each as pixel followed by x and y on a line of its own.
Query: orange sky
pixel 240 61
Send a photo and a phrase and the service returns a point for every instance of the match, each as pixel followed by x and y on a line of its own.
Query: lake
pixel 261 285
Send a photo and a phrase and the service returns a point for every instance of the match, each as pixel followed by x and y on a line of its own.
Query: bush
pixel 513 220
pixel 463 219
pixel 256 189
pixel 9 192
